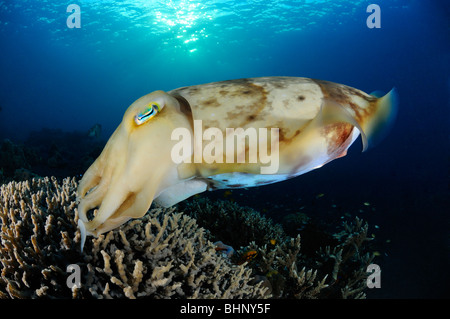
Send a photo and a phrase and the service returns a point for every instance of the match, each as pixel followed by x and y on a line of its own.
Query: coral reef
pixel 294 222
pixel 164 255
pixel 167 254
pixel 49 152
pixel 64 153
pixel 15 161
pixel 334 266
pixel 38 238
pixel 232 224
pixel 332 272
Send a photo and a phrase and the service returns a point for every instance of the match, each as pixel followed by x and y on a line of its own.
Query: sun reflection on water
pixel 186 20
pixel 177 25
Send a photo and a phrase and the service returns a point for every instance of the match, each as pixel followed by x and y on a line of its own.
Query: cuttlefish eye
pixel 149 111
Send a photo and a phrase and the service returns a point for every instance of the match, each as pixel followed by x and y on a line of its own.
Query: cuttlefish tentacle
pixel 95 183
pixel 98 172
pixel 123 203
pixel 123 181
pixel 90 180
pixel 317 122
pixel 131 207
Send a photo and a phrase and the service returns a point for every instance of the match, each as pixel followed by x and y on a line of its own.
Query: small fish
pixel 376 253
pixel 271 273
pixel 366 204
pixel 273 242
pixel 249 255
pixel 95 131
pixel 227 250
pixel 320 195
pixel 227 193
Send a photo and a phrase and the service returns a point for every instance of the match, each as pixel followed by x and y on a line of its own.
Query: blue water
pixel 70 79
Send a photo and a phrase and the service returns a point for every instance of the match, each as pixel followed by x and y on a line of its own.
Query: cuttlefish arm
pixel 317 122
pixel 135 165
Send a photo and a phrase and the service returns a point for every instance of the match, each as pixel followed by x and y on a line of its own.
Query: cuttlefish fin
pixel 344 153
pixel 374 127
pixel 332 112
pixel 178 192
pixel 382 119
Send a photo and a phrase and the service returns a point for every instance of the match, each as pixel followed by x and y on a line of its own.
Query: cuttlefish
pixel 313 122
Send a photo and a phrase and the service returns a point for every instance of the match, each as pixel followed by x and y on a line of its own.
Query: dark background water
pixel 70 79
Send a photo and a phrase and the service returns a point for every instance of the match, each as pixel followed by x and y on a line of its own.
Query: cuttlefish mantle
pixel 316 121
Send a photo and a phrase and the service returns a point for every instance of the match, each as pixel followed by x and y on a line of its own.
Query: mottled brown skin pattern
pixel 246 113
pixel 241 115
pixel 341 94
pixel 255 106
pixel 250 112
pixel 251 90
pixel 338 137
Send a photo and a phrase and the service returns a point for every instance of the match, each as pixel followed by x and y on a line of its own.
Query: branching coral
pixel 233 224
pixel 350 258
pixel 332 271
pixel 164 255
pixel 284 267
pixel 15 161
pixel 38 238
